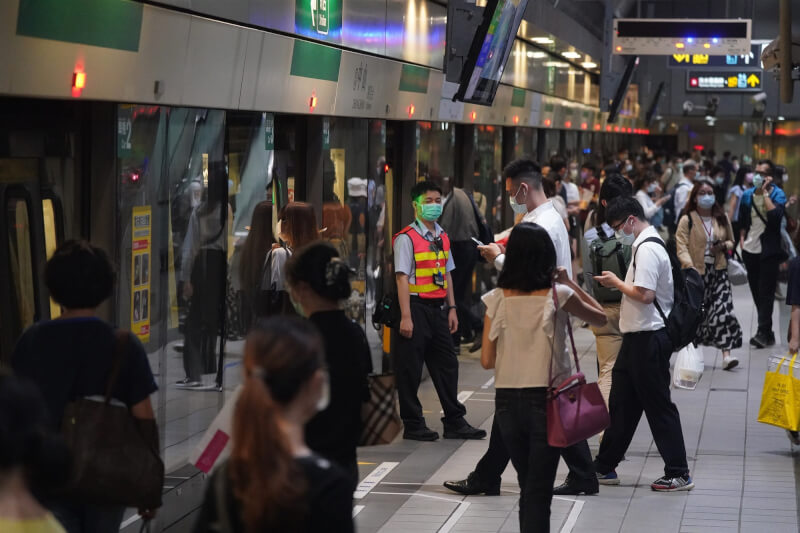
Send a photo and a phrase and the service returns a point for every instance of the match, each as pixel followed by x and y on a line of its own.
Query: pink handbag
pixel 575 409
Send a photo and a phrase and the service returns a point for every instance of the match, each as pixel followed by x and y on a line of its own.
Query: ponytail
pixel 262 470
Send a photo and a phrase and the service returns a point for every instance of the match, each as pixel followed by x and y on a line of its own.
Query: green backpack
pixel 607 253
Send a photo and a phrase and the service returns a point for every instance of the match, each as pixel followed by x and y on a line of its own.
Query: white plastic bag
pixel 215 445
pixel 688 367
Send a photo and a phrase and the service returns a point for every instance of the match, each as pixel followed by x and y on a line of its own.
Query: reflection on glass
pixel 50 243
pixel 21 263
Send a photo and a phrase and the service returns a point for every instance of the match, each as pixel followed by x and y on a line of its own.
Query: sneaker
pixel 729 362
pixel 760 340
pixel 794 437
pixel 188 384
pixel 610 478
pixel 673 484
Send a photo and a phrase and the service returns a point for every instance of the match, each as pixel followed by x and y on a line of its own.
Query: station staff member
pixel 422 264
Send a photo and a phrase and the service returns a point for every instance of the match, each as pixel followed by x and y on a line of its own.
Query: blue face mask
pixel 706 201
pixel 758 180
pixel 430 212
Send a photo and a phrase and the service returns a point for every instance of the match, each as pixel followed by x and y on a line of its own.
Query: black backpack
pixel 670 216
pixel 607 253
pixel 687 309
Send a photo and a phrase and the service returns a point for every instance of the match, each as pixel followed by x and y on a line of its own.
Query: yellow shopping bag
pixel 780 399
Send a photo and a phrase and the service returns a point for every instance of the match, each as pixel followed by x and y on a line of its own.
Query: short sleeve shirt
pixel 404 251
pixel 72 358
pixel 653 271
pixel 528 334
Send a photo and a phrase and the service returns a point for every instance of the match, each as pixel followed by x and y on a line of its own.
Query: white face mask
pixel 573 173
pixel 625 239
pixel 325 398
pixel 651 188
pixel 518 208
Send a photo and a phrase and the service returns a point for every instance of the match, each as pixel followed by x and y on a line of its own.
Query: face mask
pixel 573 173
pixel 628 168
pixel 518 208
pixel 680 167
pixel 651 188
pixel 719 180
pixel 748 178
pixel 706 201
pixel 325 399
pixel 758 180
pixel 736 167
pixel 624 238
pixel 584 175
pixel 430 212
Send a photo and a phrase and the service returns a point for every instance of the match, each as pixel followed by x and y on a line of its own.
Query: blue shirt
pixel 404 250
pixel 776 195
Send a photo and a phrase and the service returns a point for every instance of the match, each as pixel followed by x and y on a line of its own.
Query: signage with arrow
pixel 731 81
pixel 685 60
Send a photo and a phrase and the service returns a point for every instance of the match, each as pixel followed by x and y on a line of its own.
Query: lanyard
pixel 436 247
pixel 708 230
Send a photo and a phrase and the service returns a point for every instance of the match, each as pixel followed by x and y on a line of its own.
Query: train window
pixel 20 255
pixel 50 242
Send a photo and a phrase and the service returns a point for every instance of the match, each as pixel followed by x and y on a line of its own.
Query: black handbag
pixel 115 457
pixel 271 300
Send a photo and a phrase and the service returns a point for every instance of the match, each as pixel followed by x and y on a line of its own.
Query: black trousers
pixel 522 416
pixel 762 276
pixel 205 314
pixel 465 256
pixel 432 345
pixel 491 466
pixel 640 383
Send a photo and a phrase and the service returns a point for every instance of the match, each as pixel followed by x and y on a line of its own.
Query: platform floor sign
pixel 141 247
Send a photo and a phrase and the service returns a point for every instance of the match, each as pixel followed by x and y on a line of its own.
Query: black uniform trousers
pixel 762 277
pixel 465 256
pixel 431 344
pixel 640 383
pixel 578 458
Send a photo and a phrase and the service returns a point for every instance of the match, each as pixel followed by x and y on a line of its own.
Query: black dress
pixel 329 501
pixel 334 432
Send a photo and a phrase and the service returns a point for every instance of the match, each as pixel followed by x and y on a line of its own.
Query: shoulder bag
pixel 115 457
pixel 380 422
pixel 271 300
pixel 575 408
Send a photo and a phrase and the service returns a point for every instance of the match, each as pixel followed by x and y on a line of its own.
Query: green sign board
pixel 414 79
pixel 518 98
pixel 320 19
pixel 108 23
pixel 269 131
pixel 316 61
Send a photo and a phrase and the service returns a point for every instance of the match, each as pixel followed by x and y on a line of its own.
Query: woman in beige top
pixel 704 237
pixel 524 333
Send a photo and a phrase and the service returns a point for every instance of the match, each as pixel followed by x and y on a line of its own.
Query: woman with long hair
pixel 742 182
pixel 318 281
pixel 703 238
pixel 259 242
pixel 272 481
pixel 524 337
pixel 646 185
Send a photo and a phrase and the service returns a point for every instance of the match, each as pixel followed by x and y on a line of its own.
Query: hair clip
pixel 334 269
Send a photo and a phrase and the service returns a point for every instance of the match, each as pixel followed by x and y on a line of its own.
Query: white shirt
pixel 647 203
pixel 682 195
pixel 653 271
pixel 752 243
pixel 573 195
pixel 527 338
pixel 547 217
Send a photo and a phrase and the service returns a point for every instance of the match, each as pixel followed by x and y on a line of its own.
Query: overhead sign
pixel 660 37
pixel 728 81
pixel 751 60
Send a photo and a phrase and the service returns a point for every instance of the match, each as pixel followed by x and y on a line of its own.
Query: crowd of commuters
pixel 306 364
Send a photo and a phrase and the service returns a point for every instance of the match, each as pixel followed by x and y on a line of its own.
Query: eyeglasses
pixel 619 226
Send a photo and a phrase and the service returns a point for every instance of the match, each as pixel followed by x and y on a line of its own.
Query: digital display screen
pixel 490 50
pixel 682 29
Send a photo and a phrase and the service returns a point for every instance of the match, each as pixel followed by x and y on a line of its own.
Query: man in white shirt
pixel 684 187
pixel 524 187
pixel 641 377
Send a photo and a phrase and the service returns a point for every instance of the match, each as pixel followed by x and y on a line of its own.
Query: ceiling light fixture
pixel 589 64
pixel 571 55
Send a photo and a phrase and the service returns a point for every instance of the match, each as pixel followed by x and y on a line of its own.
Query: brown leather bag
pixel 115 457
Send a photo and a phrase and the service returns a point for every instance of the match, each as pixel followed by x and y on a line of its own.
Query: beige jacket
pixel 691 247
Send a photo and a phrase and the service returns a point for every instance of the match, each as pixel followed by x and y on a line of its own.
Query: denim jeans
pixel 522 416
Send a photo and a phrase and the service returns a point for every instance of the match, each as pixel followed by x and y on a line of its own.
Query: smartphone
pixel 476 241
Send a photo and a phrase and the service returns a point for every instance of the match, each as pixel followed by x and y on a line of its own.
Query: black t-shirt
pixel 793 288
pixel 329 501
pixel 72 358
pixel 334 432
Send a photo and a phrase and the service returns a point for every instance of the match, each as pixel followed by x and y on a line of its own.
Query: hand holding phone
pixel 476 241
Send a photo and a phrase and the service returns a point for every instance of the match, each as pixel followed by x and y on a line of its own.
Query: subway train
pixel 207 119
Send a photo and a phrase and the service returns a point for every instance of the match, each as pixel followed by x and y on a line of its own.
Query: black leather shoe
pixel 476 346
pixel 464 432
pixel 770 339
pixel 472 486
pixel 423 434
pixel 760 340
pixel 569 488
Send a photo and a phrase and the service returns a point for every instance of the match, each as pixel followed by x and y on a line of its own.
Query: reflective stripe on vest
pixel 425 264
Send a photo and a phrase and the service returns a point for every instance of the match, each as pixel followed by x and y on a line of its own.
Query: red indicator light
pixel 699 147
pixel 568 124
pixel 516 119
pixel 694 82
pixel 616 128
pixel 608 128
pixel 312 102
pixel 547 122
pixel 647 132
pixel 584 125
pixel 385 168
pixel 619 49
pixel 78 83
pixel 473 116
pixel 134 177
pixel 411 109
pixel 762 151
pixel 598 127
pixel 629 130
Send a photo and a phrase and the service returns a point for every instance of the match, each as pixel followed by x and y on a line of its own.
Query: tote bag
pixel 780 398
pixel 380 422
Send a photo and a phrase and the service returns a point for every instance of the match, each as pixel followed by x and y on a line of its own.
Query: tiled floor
pixel 746 473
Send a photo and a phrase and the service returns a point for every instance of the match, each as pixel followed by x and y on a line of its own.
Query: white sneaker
pixel 729 362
